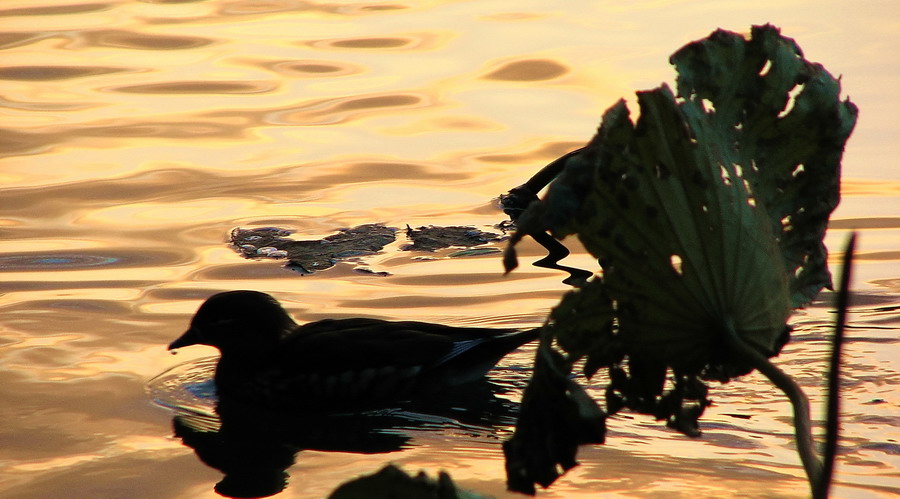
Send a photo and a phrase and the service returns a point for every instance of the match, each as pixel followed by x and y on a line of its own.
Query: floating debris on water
pixel 368 271
pixel 433 238
pixel 308 256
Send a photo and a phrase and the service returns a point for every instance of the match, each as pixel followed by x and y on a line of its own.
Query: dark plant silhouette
pixel 707 217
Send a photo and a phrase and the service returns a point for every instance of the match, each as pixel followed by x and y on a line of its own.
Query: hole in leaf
pixel 675 261
pixel 792 97
pixel 766 67
pixel 726 177
pixel 798 170
pixel 708 106
pixel 786 224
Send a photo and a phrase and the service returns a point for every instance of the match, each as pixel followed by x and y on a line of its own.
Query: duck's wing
pixel 341 344
pixel 351 344
pixel 472 358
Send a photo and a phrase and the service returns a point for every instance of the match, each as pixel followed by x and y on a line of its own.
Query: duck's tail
pixel 471 359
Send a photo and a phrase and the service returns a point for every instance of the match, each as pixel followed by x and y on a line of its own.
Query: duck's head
pixel 238 321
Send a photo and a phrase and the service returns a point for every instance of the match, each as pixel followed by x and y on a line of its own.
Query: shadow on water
pixel 254 447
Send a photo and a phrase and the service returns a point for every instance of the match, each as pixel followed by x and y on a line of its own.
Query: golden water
pixel 135 135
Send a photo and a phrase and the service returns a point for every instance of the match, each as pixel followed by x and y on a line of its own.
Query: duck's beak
pixel 190 337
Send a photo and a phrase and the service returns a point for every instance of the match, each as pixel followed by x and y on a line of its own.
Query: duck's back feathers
pixel 333 344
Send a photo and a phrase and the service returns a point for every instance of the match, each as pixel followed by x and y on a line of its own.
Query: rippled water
pixel 136 135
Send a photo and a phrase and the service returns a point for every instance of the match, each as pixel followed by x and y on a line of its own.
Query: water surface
pixel 136 135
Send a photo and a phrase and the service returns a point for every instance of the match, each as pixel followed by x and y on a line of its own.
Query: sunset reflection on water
pixel 136 135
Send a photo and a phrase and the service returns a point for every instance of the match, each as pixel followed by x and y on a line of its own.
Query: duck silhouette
pixel 268 360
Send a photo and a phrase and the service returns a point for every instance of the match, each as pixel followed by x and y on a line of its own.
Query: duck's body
pixel 267 359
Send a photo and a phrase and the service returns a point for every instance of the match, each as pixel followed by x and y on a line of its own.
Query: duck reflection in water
pixel 344 385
